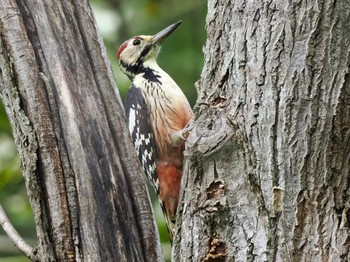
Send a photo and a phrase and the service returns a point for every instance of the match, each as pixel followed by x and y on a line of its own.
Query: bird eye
pixel 136 41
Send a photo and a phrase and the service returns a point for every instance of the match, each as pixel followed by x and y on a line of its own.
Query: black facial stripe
pixel 143 54
pixel 130 69
pixel 135 69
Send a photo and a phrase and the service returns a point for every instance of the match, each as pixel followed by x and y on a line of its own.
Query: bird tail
pixel 170 222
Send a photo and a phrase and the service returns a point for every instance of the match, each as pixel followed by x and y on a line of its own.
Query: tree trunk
pixel 268 159
pixel 89 200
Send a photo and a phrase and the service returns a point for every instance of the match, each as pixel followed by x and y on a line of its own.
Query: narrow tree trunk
pixel 89 200
pixel 268 159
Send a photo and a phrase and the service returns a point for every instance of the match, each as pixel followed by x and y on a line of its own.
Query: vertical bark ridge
pixel 274 84
pixel 87 207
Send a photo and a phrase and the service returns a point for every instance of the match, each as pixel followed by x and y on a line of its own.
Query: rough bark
pixel 89 200
pixel 268 159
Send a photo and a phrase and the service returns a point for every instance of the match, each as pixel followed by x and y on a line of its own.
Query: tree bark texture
pixel 268 159
pixel 89 200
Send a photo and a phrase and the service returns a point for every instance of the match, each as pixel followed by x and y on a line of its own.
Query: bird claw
pixel 184 133
pixel 181 135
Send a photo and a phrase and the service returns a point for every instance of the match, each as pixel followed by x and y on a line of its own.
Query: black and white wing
pixel 140 129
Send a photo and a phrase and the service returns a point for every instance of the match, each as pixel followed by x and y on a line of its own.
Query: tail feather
pixel 170 223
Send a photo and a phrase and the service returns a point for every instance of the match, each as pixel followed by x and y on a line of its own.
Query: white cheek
pixel 131 55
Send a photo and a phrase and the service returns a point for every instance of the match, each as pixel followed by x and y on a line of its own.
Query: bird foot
pixel 184 133
pixel 181 135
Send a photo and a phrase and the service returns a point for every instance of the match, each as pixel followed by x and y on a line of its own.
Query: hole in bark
pixel 215 189
pixel 216 251
pixel 219 101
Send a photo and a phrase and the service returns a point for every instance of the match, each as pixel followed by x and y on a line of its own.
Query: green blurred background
pixel 181 57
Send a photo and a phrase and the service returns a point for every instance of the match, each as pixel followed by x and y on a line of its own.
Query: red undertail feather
pixel 169 177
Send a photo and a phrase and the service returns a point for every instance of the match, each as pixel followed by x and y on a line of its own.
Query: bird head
pixel 135 52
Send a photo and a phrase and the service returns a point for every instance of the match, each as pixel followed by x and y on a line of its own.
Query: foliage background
pixel 118 20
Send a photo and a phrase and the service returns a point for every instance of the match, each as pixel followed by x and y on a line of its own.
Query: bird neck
pixel 151 71
pixel 145 68
pixel 151 63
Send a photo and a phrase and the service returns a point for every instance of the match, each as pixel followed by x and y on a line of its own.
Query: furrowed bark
pixel 88 197
pixel 268 158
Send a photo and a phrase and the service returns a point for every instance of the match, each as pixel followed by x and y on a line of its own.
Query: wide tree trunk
pixel 268 159
pixel 89 200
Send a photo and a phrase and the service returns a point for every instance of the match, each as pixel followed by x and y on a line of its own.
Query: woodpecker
pixel 157 113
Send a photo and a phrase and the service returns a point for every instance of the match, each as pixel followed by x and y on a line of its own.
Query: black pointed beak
pixel 162 35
